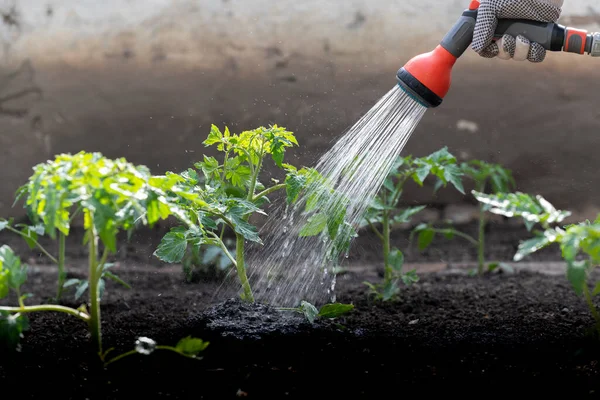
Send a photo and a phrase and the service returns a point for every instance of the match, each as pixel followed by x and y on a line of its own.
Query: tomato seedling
pixel 579 243
pixel 113 196
pixel 227 193
pixel 384 211
pixel 484 175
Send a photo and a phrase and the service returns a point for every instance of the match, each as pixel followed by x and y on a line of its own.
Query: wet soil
pixel 524 333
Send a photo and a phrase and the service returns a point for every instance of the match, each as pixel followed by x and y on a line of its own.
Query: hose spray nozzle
pixel 427 77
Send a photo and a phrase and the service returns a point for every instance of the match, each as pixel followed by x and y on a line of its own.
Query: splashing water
pixel 288 268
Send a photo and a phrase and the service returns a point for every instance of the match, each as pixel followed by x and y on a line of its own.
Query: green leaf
pixel 71 282
pixel 172 247
pixel 83 285
pixel 405 215
pixel 4 285
pixel 577 275
pixel 426 236
pixel 3 224
pixel 314 225
pixel 334 310
pixel 116 279
pixel 421 173
pixel 247 230
pixel 16 274
pixel 410 277
pixel 215 136
pixel 191 347
pixel 309 311
pixel 390 290
pixel 534 244
pixel 396 259
pixel 335 219
pixel 453 174
pixel 294 184
pixel 596 289
pixel 12 328
pixel 210 167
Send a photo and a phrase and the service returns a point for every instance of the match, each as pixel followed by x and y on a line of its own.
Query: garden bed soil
pixel 522 333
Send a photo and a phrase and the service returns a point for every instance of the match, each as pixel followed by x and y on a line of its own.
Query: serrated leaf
pixel 309 311
pixel 314 225
pixel 334 310
pixel 421 173
pixel 215 136
pixel 426 236
pixel 335 219
pixel 191 347
pixel 247 230
pixel 453 175
pixel 405 215
pixel 172 247
pixel 531 246
pixel 396 259
pixel 410 277
pixel 294 185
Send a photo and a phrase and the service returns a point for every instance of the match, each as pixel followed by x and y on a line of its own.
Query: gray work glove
pixel 507 47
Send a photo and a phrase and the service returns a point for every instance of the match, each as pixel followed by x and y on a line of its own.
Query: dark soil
pixel 448 334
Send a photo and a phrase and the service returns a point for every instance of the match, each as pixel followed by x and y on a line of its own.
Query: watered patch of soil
pixel 448 334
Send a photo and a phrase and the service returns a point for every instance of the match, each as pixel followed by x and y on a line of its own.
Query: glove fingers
pixel 485 26
pixel 522 45
pixel 537 53
pixel 506 47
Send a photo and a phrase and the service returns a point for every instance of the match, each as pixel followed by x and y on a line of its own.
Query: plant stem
pixel 47 307
pixel 481 234
pixel 241 268
pixel 254 179
pixel 62 238
pixel 375 230
pixel 219 242
pixel 133 352
pixel 481 241
pixel 386 247
pixel 592 307
pixel 270 190
pixel 94 277
pixel 457 233
pixel 39 246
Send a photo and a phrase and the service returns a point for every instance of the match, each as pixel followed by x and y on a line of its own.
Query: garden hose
pixel 426 77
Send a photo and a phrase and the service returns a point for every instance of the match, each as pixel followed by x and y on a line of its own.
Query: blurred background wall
pixel 145 79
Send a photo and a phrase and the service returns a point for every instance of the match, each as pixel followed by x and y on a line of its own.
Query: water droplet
pixel 145 345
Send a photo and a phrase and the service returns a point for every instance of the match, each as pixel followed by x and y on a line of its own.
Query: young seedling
pixel 575 240
pixel 113 195
pixel 384 211
pixel 484 175
pixel 327 311
pixel 31 234
pixel 228 194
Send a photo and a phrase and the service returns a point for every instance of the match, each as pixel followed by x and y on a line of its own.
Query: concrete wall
pixel 146 78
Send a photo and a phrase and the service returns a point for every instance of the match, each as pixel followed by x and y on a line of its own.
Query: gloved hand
pixel 507 47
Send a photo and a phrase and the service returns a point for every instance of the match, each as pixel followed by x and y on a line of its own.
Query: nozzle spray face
pixel 417 90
